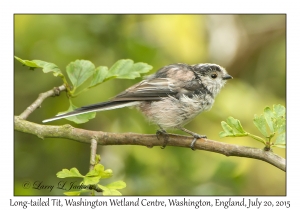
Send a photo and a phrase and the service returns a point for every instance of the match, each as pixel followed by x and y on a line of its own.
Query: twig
pixel 42 96
pixel 93 159
pixel 103 138
pixel 93 154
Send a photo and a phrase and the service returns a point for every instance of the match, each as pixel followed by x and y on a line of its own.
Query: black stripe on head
pixel 203 69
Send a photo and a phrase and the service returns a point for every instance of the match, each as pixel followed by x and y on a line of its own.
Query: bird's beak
pixel 227 76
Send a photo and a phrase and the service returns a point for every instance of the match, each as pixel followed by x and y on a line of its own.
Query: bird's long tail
pixel 108 105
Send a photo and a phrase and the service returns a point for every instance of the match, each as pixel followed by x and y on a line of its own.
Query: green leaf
pixel 270 117
pixel 72 193
pixel 94 176
pixel 99 75
pixel 91 180
pixel 232 128
pixel 236 125
pixel 139 68
pixel 92 173
pixel 46 67
pixel 97 159
pixel 108 191
pixel 102 187
pixel 279 145
pixel 223 134
pixel 27 62
pixel 65 173
pixel 276 118
pixel 99 168
pixel 78 118
pixel 280 139
pixel 96 170
pixel 106 174
pixel 279 110
pixel 103 173
pixel 99 171
pixel 120 68
pixel 111 192
pixel 79 71
pixel 260 123
pixel 126 69
pixel 228 131
pixel 280 124
pixel 116 185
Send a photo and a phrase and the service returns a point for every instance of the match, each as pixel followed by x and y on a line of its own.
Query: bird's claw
pixel 165 136
pixel 196 137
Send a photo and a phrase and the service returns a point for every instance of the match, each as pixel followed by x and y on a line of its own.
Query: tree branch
pixel 104 138
pixel 37 103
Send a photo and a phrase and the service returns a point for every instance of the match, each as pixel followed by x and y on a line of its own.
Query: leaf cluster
pixel 81 72
pixel 90 182
pixel 271 124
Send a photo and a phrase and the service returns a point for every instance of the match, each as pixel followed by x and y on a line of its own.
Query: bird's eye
pixel 214 76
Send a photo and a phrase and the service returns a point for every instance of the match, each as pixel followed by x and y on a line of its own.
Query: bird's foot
pixel 196 137
pixel 165 136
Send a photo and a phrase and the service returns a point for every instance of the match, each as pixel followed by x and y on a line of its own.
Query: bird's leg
pixel 195 135
pixel 164 134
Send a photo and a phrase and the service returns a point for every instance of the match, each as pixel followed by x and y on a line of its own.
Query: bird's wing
pixel 153 89
pixel 147 90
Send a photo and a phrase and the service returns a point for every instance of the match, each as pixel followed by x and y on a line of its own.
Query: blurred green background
pixel 251 47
